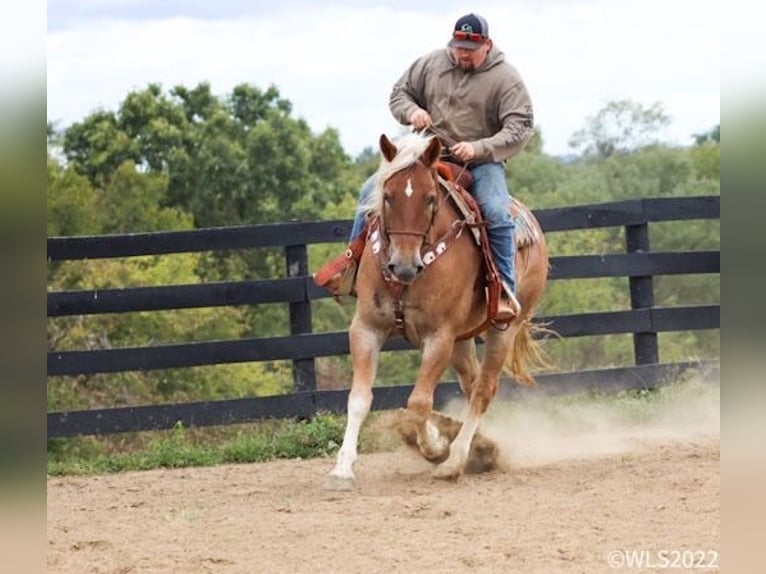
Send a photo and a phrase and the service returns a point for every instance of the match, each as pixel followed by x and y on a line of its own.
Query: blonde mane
pixel 409 149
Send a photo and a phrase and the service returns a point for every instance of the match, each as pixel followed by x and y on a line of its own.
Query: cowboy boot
pixel 338 275
pixel 508 307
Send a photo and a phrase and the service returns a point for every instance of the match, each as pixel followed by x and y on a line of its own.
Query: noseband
pixel 405 232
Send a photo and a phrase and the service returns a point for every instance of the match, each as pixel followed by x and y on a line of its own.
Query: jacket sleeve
pixel 408 94
pixel 517 125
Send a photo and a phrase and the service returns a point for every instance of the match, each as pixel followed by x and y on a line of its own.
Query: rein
pixel 448 141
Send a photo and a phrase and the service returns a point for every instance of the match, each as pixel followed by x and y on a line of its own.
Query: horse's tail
pixel 527 353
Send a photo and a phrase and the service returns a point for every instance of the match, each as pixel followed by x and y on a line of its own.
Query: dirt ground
pixel 572 500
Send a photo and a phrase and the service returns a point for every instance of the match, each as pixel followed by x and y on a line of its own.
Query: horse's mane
pixel 409 149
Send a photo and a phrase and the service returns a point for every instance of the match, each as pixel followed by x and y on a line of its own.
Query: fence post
pixel 645 345
pixel 304 373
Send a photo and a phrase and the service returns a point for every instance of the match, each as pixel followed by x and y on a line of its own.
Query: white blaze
pixel 408 191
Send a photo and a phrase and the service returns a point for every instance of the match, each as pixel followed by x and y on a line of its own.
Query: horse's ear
pixel 389 150
pixel 431 154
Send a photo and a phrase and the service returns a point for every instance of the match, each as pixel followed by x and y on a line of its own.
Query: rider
pixel 477 104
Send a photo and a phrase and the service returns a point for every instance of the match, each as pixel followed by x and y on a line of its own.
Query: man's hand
pixel 420 119
pixel 463 151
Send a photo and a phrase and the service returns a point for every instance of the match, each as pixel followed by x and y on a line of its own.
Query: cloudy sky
pixel 337 60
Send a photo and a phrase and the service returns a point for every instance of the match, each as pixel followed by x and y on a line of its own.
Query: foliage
pixel 186 158
pixel 180 447
pixel 234 160
pixel 72 203
pixel 647 171
pixel 151 328
pixel 620 126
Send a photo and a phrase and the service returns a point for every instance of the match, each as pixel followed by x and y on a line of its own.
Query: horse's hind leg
pixel 483 391
pixel 466 365
pixel 365 346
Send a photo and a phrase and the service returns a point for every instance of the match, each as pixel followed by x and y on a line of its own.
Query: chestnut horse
pixel 403 290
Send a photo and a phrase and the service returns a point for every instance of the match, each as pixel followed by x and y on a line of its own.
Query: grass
pixel 322 435
pixel 182 447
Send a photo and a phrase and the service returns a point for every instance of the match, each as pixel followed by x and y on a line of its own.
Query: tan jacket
pixel 489 107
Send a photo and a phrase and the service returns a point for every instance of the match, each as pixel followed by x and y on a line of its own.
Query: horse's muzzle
pixel 405 273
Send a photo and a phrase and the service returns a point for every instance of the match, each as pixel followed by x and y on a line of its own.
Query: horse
pixel 404 289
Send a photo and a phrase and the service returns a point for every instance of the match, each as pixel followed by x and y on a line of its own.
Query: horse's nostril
pixel 391 267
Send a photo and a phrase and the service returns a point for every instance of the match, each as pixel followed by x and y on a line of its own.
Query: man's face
pixel 469 60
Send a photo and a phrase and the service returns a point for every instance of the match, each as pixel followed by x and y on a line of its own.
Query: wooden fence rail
pixel 643 320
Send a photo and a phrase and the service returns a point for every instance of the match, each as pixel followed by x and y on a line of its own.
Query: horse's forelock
pixel 409 148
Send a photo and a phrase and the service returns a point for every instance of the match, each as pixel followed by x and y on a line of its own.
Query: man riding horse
pixel 476 103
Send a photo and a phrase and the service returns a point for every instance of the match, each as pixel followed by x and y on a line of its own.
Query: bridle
pixel 422 234
pixel 378 236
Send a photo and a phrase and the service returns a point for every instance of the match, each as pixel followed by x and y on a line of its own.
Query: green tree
pixel 620 126
pixel 535 143
pixel 73 206
pixel 706 158
pixel 134 203
pixel 230 160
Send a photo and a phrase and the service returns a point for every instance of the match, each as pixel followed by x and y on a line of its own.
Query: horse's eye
pixel 387 199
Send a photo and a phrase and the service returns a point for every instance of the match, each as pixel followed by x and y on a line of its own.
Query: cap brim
pixel 465 44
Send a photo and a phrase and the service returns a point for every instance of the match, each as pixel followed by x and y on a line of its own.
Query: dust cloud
pixel 545 430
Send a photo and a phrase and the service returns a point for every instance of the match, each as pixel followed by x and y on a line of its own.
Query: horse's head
pixel 407 200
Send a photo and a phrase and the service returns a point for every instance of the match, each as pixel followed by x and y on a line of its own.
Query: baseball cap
pixel 470 32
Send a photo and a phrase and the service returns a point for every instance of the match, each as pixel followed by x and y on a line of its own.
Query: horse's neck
pixel 447 210
pixel 446 216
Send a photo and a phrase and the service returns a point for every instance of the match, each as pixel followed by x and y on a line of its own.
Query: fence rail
pixel 297 290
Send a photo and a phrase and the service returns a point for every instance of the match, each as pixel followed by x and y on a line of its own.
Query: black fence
pixel 644 320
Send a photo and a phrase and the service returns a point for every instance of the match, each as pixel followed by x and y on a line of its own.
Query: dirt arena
pixel 575 497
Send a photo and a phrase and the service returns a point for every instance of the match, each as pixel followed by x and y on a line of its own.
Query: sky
pixel 337 60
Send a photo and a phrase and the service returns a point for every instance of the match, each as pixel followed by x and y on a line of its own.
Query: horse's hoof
pixel 339 483
pixel 447 471
pixel 484 456
pixel 434 456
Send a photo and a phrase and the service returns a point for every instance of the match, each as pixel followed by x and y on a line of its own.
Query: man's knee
pixel 498 217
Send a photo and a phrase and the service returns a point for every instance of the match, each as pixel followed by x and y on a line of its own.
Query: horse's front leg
pixel 436 354
pixel 365 344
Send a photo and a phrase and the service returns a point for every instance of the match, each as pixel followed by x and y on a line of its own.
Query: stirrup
pixel 508 307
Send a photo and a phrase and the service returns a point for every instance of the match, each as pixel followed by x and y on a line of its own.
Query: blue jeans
pixel 491 193
pixel 364 193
